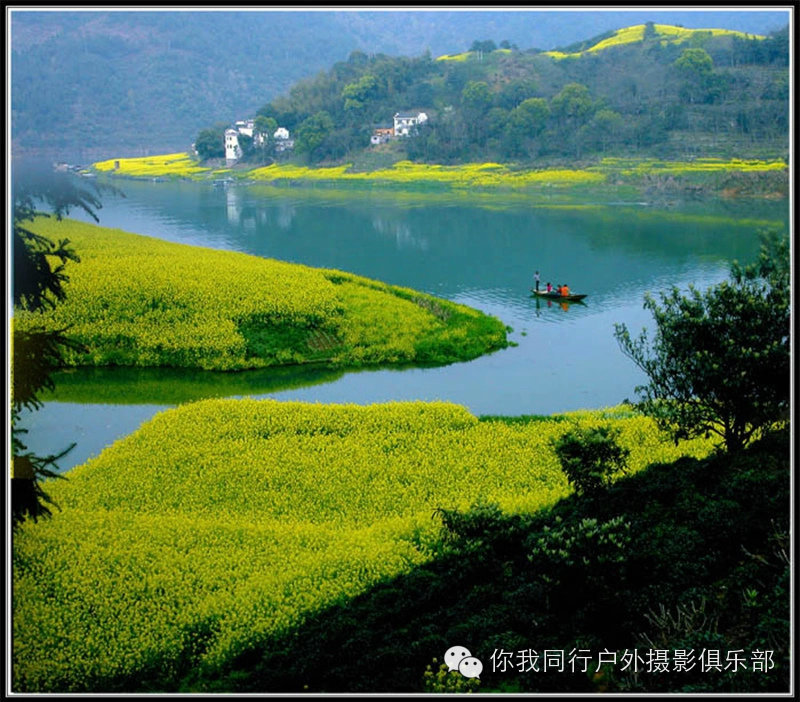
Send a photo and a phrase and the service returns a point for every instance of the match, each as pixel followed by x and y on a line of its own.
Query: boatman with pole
pixel 536 280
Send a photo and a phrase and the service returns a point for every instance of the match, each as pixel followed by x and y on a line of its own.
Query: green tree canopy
pixel 210 143
pixel 719 362
pixel 525 123
pixel 485 46
pixel 476 96
pixel 312 132
pixel 573 102
pixel 357 94
pixel 38 278
pixel 695 62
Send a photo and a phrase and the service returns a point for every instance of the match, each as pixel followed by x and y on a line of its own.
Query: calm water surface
pixel 477 250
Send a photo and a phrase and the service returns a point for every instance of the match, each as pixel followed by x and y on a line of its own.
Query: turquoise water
pixel 478 250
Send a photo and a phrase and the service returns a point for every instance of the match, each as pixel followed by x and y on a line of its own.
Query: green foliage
pixel 524 124
pixel 638 94
pixel 720 360
pixel 160 76
pixel 591 457
pixel 210 143
pixel 38 286
pixel 573 102
pixel 312 132
pixel 695 62
pixel 449 681
pixel 357 94
pixel 486 46
pixel 476 96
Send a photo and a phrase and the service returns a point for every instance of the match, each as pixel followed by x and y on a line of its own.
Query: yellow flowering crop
pixel 179 164
pixel 222 521
pixel 638 167
pixel 669 34
pixel 138 301
pixel 471 175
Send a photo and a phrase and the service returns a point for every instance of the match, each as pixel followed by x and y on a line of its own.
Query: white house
pixel 381 135
pixel 233 152
pixel 406 122
pixel 245 127
pixel 282 140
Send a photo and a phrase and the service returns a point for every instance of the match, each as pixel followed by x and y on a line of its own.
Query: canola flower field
pixel 667 34
pixel 489 177
pixel 162 166
pixel 220 522
pixel 137 301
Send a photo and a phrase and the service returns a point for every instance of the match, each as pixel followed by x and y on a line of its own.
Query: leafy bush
pixel 591 457
pixel 719 362
pixel 444 680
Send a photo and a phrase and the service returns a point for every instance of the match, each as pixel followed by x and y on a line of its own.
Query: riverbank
pixel 139 301
pixel 701 176
pixel 223 523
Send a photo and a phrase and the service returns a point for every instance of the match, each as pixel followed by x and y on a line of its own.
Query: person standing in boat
pixel 536 280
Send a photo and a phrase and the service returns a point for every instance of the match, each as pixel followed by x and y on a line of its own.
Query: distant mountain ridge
pixel 142 82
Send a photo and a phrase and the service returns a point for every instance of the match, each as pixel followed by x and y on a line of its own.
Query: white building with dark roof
pixel 406 122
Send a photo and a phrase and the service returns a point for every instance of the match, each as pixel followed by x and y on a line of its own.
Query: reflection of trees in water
pixel 232 206
pixel 250 217
pixel 285 215
pixel 401 231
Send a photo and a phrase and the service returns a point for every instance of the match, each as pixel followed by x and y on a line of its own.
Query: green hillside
pixel 648 90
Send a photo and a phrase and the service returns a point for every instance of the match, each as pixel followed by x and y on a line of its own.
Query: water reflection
pixel 173 386
pixel 563 305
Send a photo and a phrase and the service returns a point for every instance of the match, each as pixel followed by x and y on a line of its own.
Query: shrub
pixel 590 456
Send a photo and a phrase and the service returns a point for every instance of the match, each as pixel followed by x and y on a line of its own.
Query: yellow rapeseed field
pixel 222 521
pixel 164 165
pixel 484 175
pixel 668 34
pixel 468 177
pixel 138 301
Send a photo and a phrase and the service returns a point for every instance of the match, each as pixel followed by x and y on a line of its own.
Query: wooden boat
pixel 557 297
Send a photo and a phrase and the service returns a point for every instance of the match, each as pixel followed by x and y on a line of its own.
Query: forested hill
pixel 654 90
pixel 134 82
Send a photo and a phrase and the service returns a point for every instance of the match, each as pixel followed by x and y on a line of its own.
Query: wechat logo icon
pixel 460 659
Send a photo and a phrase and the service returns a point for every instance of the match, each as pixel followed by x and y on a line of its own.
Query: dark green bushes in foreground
pixel 690 555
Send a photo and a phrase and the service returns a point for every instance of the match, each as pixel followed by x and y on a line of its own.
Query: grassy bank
pixel 223 524
pixel 138 301
pixel 728 177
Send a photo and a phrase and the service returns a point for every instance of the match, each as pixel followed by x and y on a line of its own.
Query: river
pixel 479 250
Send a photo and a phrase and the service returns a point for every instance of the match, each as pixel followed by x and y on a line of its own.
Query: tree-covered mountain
pixel 134 82
pixel 650 89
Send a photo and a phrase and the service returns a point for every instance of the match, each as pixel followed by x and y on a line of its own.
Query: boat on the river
pixel 558 297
